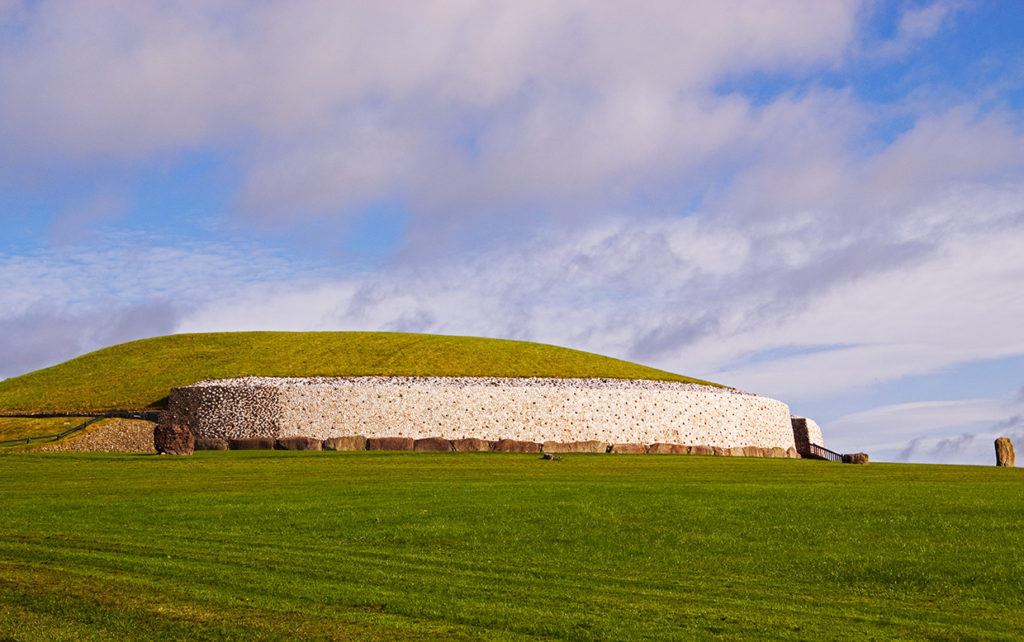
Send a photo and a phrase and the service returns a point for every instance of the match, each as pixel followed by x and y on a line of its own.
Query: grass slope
pixel 15 427
pixel 273 545
pixel 138 375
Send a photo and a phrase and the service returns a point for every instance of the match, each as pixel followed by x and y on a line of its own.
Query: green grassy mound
pixel 365 546
pixel 138 375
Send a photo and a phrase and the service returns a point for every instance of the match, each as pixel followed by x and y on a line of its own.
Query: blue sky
pixel 822 202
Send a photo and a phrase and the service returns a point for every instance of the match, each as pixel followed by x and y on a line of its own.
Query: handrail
pixel 820 452
pixel 114 413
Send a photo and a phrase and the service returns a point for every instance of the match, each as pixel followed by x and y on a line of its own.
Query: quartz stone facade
pixel 536 410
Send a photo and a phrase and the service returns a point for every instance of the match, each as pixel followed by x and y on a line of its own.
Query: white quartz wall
pixel 563 410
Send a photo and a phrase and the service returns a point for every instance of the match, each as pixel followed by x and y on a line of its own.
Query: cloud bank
pixel 766 194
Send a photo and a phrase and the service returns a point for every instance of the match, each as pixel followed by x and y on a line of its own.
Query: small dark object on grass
pixel 855 458
pixel 551 457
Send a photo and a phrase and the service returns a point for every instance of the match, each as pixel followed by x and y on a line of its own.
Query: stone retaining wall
pixel 529 410
pixel 110 436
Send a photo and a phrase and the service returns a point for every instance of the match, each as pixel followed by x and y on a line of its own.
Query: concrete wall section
pixel 538 410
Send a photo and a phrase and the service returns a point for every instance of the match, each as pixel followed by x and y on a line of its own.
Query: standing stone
pixel 170 438
pixel 1004 452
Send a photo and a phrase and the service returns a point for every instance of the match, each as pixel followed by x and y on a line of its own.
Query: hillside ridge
pixel 139 374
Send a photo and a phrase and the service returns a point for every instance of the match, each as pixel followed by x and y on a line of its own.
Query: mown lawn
pixel 274 545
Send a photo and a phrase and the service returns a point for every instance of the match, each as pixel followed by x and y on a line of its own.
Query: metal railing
pixel 148 416
pixel 820 452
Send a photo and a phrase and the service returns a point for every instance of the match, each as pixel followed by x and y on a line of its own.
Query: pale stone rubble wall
pixel 110 435
pixel 536 410
pixel 814 433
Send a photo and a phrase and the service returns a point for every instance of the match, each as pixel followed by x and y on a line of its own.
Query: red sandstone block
pixel 390 443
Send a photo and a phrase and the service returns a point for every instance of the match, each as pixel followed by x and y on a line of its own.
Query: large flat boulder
pixel 211 443
pixel 855 458
pixel 575 447
pixel 514 446
pixel 432 445
pixel 668 449
pixel 172 438
pixel 471 444
pixel 252 443
pixel 628 449
pixel 390 443
pixel 352 442
pixel 298 443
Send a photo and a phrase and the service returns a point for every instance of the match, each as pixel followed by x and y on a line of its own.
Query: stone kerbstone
pixel 702 450
pixel 471 444
pixel 211 443
pixel 855 458
pixel 432 445
pixel 575 447
pixel 1004 452
pixel 171 438
pixel 628 449
pixel 390 443
pixel 252 443
pixel 667 449
pixel 718 451
pixel 514 446
pixel 752 451
pixel 298 443
pixel 777 452
pixel 353 442
pixel 792 453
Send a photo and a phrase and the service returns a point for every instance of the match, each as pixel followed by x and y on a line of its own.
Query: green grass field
pixel 273 545
pixel 15 427
pixel 138 375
